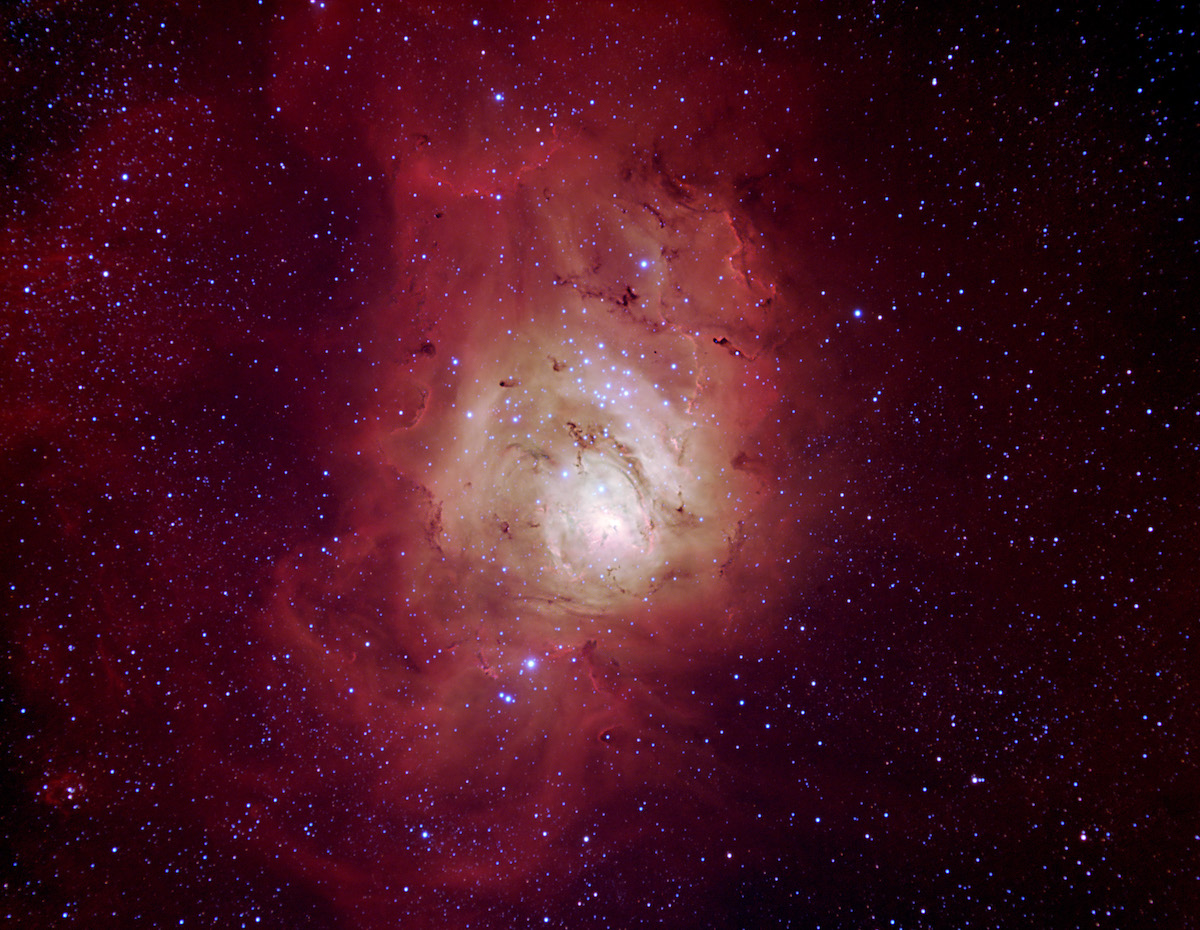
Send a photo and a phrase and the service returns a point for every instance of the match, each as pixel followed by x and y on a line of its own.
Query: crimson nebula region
pixel 689 465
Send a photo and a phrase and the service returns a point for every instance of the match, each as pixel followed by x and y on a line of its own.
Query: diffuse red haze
pixel 568 503
pixel 568 497
pixel 554 387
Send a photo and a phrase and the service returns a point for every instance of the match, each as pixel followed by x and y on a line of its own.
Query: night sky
pixel 607 465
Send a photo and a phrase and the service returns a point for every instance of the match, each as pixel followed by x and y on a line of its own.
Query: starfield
pixel 598 465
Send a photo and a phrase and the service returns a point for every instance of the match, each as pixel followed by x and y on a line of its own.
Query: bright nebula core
pixel 696 464
pixel 580 416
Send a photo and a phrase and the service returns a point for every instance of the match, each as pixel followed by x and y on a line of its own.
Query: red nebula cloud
pixel 551 378
pixel 566 503
pixel 567 495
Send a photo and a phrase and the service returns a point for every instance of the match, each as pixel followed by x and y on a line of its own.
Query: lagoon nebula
pixel 602 465
pixel 566 498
